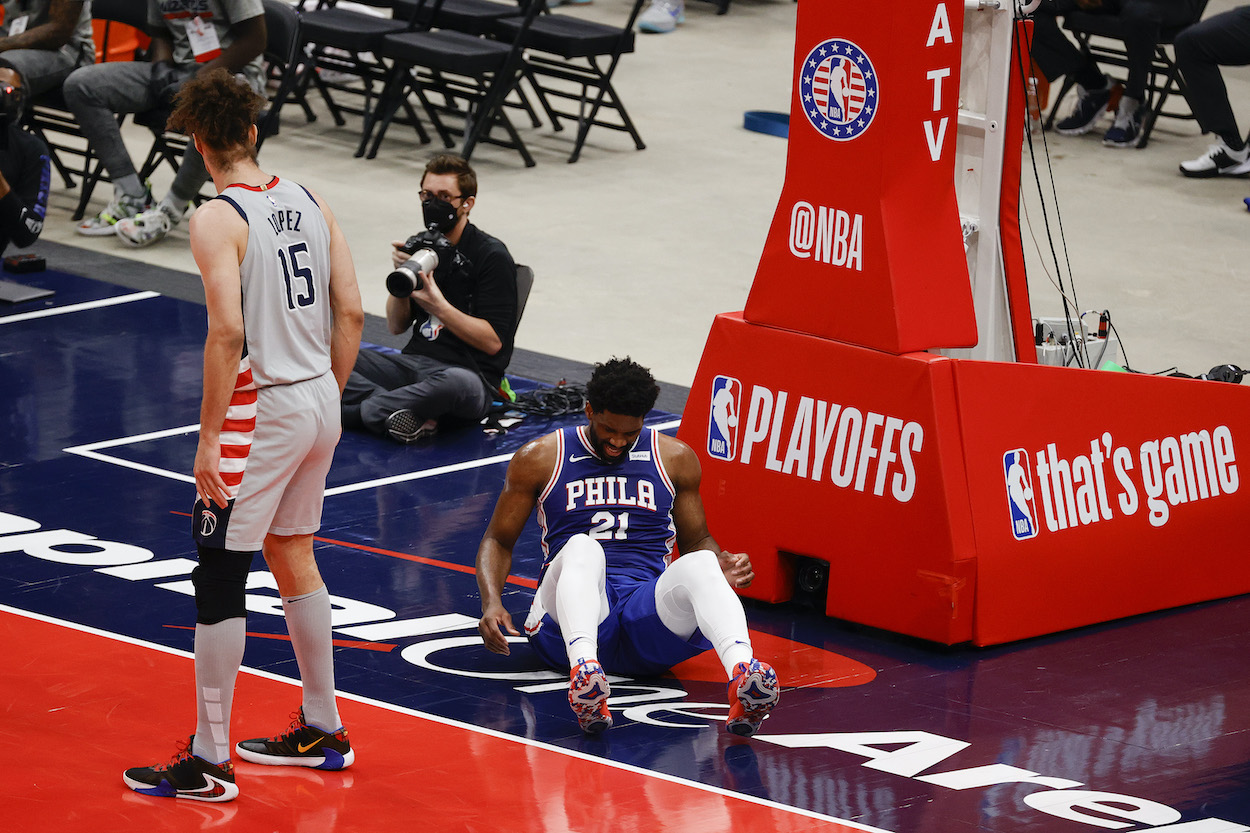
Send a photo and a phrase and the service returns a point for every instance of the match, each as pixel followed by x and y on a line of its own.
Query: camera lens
pixel 407 278
pixel 403 282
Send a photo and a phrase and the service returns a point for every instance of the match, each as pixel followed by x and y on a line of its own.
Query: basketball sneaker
pixel 300 745
pixel 588 695
pixel 148 227
pixel 662 16
pixel 753 692
pixel 121 207
pixel 1090 105
pixel 404 426
pixel 185 776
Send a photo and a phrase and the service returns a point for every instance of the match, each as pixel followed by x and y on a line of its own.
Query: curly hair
pixel 219 109
pixel 623 387
pixel 450 163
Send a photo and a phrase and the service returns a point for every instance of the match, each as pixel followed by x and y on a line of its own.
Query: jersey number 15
pixel 300 290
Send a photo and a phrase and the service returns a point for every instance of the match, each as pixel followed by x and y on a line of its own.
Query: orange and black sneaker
pixel 300 745
pixel 753 692
pixel 185 776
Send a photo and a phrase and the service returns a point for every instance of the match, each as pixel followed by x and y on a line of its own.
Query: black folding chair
pixel 473 17
pixel 344 42
pixel 572 59
pixel 283 58
pixel 470 76
pixel 1101 37
pixel 524 283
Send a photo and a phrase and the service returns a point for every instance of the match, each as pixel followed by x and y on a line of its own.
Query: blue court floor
pixel 1132 725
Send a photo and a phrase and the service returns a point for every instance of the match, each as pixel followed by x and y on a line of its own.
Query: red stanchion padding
pixel 865 246
pixel 965 500
pixel 1099 495
pixel 852 456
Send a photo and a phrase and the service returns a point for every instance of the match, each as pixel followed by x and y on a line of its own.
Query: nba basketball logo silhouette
pixel 722 429
pixel 1019 480
pixel 838 88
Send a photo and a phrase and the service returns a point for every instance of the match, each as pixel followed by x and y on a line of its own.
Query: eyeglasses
pixel 443 195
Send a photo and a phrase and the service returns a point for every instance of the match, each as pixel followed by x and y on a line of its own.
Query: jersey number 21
pixel 608 526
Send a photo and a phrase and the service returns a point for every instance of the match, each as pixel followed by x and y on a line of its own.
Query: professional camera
pixel 430 252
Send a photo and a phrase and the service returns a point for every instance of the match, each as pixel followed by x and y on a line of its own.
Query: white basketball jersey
pixel 286 282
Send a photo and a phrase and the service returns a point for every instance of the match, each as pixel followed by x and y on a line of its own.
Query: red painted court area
pixel 79 707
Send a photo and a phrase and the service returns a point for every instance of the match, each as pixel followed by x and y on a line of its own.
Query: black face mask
pixel 12 102
pixel 442 215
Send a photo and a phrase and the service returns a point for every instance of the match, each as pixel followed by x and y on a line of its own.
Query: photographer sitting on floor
pixel 463 313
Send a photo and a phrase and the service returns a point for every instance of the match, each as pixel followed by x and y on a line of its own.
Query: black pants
pixel 1056 55
pixel 382 383
pixel 1222 40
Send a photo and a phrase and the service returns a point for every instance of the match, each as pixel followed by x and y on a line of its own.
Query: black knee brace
pixel 220 584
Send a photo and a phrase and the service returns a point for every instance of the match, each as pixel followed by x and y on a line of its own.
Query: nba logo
pixel 722 429
pixel 838 86
pixel 1019 479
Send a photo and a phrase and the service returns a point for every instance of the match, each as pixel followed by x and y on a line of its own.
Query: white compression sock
pixel 692 593
pixel 574 594
pixel 218 654
pixel 308 622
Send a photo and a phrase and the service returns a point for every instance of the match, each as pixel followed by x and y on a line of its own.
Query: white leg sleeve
pixel 574 593
pixel 692 593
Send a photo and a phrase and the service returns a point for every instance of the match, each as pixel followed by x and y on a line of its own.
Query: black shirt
pixel 26 167
pixel 485 289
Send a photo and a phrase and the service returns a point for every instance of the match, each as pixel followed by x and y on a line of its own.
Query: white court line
pixel 468 727
pixel 467 464
pixel 90 451
pixel 103 302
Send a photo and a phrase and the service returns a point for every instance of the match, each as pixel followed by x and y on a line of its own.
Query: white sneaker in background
pixel 1219 160
pixel 662 16
pixel 146 228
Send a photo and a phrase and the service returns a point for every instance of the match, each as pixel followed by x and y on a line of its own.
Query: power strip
pixel 1057 351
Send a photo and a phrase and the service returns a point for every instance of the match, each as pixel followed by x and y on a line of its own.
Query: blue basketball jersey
pixel 627 507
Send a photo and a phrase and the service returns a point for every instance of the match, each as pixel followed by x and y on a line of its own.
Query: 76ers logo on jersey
pixel 838 88
pixel 722 428
pixel 1019 479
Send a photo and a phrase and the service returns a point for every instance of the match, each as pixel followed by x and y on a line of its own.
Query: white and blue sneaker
pixel 662 16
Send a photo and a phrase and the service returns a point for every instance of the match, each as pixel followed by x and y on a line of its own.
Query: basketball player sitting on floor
pixel 613 496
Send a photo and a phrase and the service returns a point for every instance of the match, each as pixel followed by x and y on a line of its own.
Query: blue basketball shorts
pixel 632 639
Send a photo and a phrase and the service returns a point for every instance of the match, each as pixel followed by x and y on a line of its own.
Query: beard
pixel 601 450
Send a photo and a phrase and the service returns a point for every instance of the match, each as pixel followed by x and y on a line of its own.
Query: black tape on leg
pixel 220 584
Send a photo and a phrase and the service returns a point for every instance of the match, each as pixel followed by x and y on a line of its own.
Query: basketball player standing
pixel 284 323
